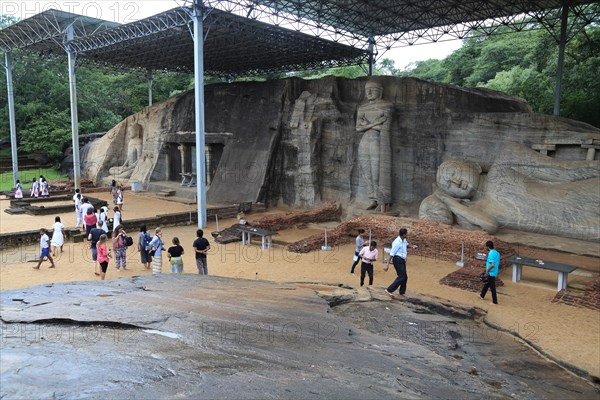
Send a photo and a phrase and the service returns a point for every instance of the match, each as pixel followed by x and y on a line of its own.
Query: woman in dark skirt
pixel 144 246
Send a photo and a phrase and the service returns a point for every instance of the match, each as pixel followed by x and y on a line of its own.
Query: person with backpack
pixel 120 247
pixel 144 246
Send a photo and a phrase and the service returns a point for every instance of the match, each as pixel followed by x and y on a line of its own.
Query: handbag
pixel 128 241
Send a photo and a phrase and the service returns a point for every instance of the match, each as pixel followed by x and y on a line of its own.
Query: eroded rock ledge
pixel 189 337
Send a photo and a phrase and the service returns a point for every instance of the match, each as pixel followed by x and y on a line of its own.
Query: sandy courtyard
pixel 566 333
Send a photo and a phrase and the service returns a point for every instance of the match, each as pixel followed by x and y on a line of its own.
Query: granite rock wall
pixel 294 142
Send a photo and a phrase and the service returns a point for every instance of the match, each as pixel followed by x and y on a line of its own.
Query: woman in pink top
pixel 103 255
pixel 369 256
pixel 89 219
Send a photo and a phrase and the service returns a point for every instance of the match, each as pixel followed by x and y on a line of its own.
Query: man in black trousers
pixel 398 257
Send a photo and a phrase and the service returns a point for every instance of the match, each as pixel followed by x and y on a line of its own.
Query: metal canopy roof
pixel 246 37
pixel 388 17
pixel 233 45
pixel 394 23
pixel 47 30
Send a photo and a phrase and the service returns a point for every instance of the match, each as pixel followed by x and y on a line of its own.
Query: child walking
pixel 45 246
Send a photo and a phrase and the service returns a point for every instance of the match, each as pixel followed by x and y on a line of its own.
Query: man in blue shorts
pixel 45 246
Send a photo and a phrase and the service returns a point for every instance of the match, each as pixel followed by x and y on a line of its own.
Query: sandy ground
pixel 567 333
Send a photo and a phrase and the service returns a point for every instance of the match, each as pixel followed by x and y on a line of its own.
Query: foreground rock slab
pixel 208 337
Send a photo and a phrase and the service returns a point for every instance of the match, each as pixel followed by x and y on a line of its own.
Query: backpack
pixel 128 241
pixel 146 241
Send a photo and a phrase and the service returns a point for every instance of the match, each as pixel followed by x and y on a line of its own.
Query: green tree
pixel 524 64
pixel 50 134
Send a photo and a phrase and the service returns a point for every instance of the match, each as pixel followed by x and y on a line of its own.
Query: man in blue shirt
pixel 398 258
pixel 491 268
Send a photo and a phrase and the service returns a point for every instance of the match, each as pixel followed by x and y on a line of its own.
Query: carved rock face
pixel 373 91
pixel 458 178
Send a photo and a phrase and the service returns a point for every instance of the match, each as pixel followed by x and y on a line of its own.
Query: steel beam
pixel 371 55
pixel 197 15
pixel 73 97
pixel 11 117
pixel 561 56
pixel 150 82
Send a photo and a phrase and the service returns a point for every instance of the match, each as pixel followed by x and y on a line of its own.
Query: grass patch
pixel 51 174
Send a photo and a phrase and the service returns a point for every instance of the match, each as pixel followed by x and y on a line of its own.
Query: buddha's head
pixel 373 90
pixel 458 178
pixel 135 131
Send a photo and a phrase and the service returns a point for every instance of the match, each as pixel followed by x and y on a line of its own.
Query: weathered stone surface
pixel 295 141
pixel 301 143
pixel 206 337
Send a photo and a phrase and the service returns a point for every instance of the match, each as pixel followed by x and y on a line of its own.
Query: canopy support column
pixel 11 117
pixel 371 55
pixel 197 16
pixel 561 56
pixel 73 96
pixel 150 82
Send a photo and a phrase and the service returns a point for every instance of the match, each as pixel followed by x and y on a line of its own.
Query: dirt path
pixel 567 333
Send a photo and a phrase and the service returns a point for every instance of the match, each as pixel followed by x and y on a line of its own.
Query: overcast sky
pixel 125 11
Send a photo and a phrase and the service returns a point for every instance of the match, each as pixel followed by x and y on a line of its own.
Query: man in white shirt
pixel 85 204
pixel 45 249
pixel 398 258
pixel 77 191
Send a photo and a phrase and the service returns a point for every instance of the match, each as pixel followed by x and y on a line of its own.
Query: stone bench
pixel 266 236
pixel 563 269
pixel 188 179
